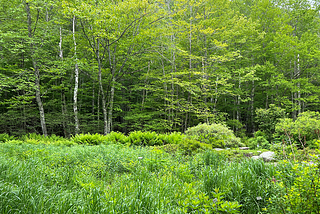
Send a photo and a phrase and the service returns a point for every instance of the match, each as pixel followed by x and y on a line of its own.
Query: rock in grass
pixel 267 156
pixel 255 157
pixel 244 148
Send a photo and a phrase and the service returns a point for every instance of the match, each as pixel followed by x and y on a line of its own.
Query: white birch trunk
pixel 76 77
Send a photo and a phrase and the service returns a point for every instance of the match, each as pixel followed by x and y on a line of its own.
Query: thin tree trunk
pixel 63 96
pixel 76 77
pixel 298 84
pixel 144 91
pixel 36 74
pixel 109 123
pixel 252 107
pixel 93 96
pixel 238 101
pixel 190 68
pixel 104 107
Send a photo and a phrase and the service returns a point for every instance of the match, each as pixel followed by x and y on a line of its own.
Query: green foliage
pixel 304 130
pixel 116 137
pixel 237 127
pixel 218 135
pixel 258 141
pixel 136 178
pixel 268 118
pixel 171 138
pixel 144 138
pixel 247 182
pixel 190 146
pixel 34 138
pixel 90 139
pixel 102 179
pixel 301 195
pixel 201 203
pixel 5 137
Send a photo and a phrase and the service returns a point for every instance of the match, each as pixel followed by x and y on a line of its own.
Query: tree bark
pixel 76 77
pixel 36 73
pixel 109 123
pixel 104 107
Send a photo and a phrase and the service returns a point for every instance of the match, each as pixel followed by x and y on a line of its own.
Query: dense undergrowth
pixel 55 175
pixel 147 172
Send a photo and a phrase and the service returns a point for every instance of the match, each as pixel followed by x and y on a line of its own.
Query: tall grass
pixel 38 178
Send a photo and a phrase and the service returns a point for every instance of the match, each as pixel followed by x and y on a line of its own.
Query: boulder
pixel 267 156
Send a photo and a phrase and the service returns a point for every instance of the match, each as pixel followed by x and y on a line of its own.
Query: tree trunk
pixel 104 103
pixel 36 74
pixel 109 123
pixel 252 107
pixel 63 96
pixel 76 77
pixel 190 69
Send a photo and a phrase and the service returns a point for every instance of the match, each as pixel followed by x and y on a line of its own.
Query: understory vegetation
pixel 146 172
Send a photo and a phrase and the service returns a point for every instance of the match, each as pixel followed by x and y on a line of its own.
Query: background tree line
pixel 98 66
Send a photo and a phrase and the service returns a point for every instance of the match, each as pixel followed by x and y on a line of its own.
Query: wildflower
pixel 140 158
pixel 259 198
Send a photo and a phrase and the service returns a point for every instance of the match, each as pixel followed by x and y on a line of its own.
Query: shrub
pixel 258 141
pixel 268 118
pixel 190 146
pixel 218 135
pixel 116 137
pixel 171 138
pixel 144 139
pixel 301 196
pixel 5 137
pixel 304 130
pixel 237 127
pixel 89 139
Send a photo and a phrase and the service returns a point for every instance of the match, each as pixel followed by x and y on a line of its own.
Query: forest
pixel 160 106
pixel 70 67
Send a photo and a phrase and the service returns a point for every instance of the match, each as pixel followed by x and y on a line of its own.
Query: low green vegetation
pixel 146 172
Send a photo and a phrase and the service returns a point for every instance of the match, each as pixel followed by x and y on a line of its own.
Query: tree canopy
pixel 99 66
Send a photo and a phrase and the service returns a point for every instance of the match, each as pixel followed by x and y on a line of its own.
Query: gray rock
pixel 218 149
pixel 244 148
pixel 267 156
pixel 255 157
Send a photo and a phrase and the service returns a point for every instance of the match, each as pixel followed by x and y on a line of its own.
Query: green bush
pixel 116 137
pixel 191 146
pixel 218 135
pixel 301 195
pixel 5 137
pixel 171 138
pixel 89 139
pixel 258 141
pixel 304 130
pixel 144 139
pixel 268 118
pixel 237 127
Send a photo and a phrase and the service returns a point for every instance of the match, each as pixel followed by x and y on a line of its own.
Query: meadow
pixel 56 175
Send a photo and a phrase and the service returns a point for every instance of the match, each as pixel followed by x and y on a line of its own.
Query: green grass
pixel 113 178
